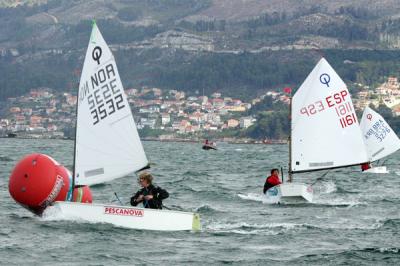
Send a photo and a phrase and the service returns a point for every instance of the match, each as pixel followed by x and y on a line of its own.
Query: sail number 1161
pixel 346 114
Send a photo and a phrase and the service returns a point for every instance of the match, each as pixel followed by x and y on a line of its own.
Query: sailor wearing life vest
pixel 272 180
pixel 151 196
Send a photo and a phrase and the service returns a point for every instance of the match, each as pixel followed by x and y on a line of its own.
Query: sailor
pixel 365 166
pixel 272 180
pixel 151 196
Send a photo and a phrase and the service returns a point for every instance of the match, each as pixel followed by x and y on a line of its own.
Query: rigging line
pixel 115 193
pixel 119 119
pixel 162 205
pixel 320 178
pixel 383 162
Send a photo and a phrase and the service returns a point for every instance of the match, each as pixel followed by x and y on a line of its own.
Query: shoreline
pixel 199 141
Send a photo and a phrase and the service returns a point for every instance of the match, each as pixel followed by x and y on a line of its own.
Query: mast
pixel 76 129
pixel 290 138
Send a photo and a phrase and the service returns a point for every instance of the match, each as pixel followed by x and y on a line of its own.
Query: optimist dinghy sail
pixel 379 137
pixel 107 142
pixel 108 146
pixel 325 130
pixel 325 133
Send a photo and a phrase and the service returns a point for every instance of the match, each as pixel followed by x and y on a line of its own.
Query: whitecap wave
pixel 389 250
pixel 206 208
pixel 328 187
pixel 53 214
pixel 252 196
pixel 336 202
pixel 276 228
pixel 245 228
pixel 258 197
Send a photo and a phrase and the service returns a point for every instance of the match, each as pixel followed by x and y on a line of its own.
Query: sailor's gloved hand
pixel 148 197
pixel 139 199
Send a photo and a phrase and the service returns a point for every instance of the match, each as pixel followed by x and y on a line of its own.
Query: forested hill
pixel 237 47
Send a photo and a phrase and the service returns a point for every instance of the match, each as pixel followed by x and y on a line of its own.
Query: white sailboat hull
pixel 290 193
pixel 128 217
pixel 377 170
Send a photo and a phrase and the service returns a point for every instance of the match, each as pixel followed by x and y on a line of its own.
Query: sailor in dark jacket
pixel 150 195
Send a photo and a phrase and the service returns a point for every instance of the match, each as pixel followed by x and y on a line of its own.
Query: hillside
pixel 229 45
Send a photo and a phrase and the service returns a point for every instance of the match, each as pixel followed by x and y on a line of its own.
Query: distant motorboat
pixel 209 145
pixel 11 135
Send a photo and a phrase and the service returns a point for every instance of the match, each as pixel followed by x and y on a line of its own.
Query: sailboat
pixel 325 133
pixel 379 138
pixel 209 145
pixel 107 146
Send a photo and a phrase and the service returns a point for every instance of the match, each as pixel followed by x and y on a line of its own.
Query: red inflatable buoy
pixel 37 181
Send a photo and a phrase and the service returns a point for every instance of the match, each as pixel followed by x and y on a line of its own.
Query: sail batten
pixel 325 169
pixel 325 133
pixel 107 142
pixel 379 137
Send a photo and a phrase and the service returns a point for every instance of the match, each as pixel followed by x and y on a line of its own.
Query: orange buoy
pixel 82 194
pixel 38 180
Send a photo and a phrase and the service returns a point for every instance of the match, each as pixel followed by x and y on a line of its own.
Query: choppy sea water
pixel 355 219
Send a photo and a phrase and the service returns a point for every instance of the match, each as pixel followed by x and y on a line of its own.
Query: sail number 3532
pixel 104 96
pixel 109 103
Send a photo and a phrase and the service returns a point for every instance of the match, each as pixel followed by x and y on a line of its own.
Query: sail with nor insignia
pixel 325 131
pixel 107 142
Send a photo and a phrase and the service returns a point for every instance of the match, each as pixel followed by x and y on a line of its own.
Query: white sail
pixel 325 130
pixel 107 142
pixel 379 137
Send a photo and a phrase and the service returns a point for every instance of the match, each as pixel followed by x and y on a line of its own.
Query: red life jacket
pixel 273 180
pixel 365 166
pixel 270 182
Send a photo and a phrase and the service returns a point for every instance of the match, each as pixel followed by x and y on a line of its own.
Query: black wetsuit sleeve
pixel 134 198
pixel 161 194
pixel 265 187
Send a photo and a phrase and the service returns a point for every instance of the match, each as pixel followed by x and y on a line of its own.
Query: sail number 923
pixel 338 102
